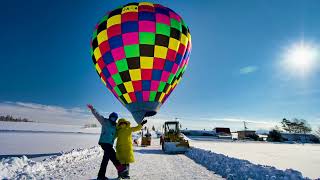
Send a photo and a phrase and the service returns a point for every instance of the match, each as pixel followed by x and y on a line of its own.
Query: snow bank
pixel 232 168
pixel 24 168
pixel 18 168
pixel 304 158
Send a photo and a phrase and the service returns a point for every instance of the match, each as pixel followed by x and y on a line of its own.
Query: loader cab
pixel 171 127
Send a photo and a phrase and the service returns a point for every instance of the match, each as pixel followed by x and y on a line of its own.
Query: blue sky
pixel 234 70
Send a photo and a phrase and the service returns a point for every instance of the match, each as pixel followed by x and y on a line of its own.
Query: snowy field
pixel 40 144
pixel 301 157
pixel 42 139
pixel 49 154
pixel 38 127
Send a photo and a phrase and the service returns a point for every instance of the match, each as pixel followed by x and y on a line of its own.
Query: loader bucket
pixel 175 147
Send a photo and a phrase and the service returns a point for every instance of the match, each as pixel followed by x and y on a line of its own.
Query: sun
pixel 301 59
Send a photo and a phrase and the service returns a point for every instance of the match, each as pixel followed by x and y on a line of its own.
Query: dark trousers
pixel 109 154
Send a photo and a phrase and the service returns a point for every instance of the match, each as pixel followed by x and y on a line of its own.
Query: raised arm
pixel 139 127
pixel 99 117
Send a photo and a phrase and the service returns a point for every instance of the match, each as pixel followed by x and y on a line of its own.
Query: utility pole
pixel 245 125
pixel 245 128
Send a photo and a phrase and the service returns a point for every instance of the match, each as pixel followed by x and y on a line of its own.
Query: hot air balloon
pixel 140 51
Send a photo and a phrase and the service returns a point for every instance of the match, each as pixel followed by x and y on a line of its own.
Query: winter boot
pixel 102 178
pixel 125 175
pixel 121 169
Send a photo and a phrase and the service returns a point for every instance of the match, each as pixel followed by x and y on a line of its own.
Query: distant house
pixel 246 134
pixel 297 137
pixel 222 132
pixel 262 137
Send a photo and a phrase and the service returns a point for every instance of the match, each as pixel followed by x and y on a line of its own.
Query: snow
pixel 43 139
pixel 55 167
pixel 301 157
pixel 49 155
pixel 151 163
pixel 39 127
pixel 232 168
pixel 16 143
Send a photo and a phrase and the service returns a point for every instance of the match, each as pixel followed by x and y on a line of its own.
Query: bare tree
pixel 318 132
pixel 304 126
pixel 296 126
pixel 286 125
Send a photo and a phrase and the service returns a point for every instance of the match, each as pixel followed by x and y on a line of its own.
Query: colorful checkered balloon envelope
pixel 140 52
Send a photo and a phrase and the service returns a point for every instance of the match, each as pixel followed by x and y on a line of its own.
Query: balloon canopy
pixel 140 51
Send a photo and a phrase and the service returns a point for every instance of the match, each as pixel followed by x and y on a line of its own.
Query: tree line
pixel 296 126
pixel 13 119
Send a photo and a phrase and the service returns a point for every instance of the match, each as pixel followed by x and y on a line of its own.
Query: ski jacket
pixel 108 128
pixel 124 142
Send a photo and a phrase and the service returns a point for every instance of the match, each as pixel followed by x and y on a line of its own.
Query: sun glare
pixel 301 59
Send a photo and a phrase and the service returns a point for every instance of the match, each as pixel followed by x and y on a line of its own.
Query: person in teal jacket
pixel 106 140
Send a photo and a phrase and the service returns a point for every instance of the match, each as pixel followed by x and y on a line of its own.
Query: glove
pixel 90 106
pixel 143 122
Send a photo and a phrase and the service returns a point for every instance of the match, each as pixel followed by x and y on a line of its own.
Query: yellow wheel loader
pixel 145 139
pixel 172 140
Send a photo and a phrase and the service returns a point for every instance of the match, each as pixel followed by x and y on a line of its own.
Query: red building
pixel 222 131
